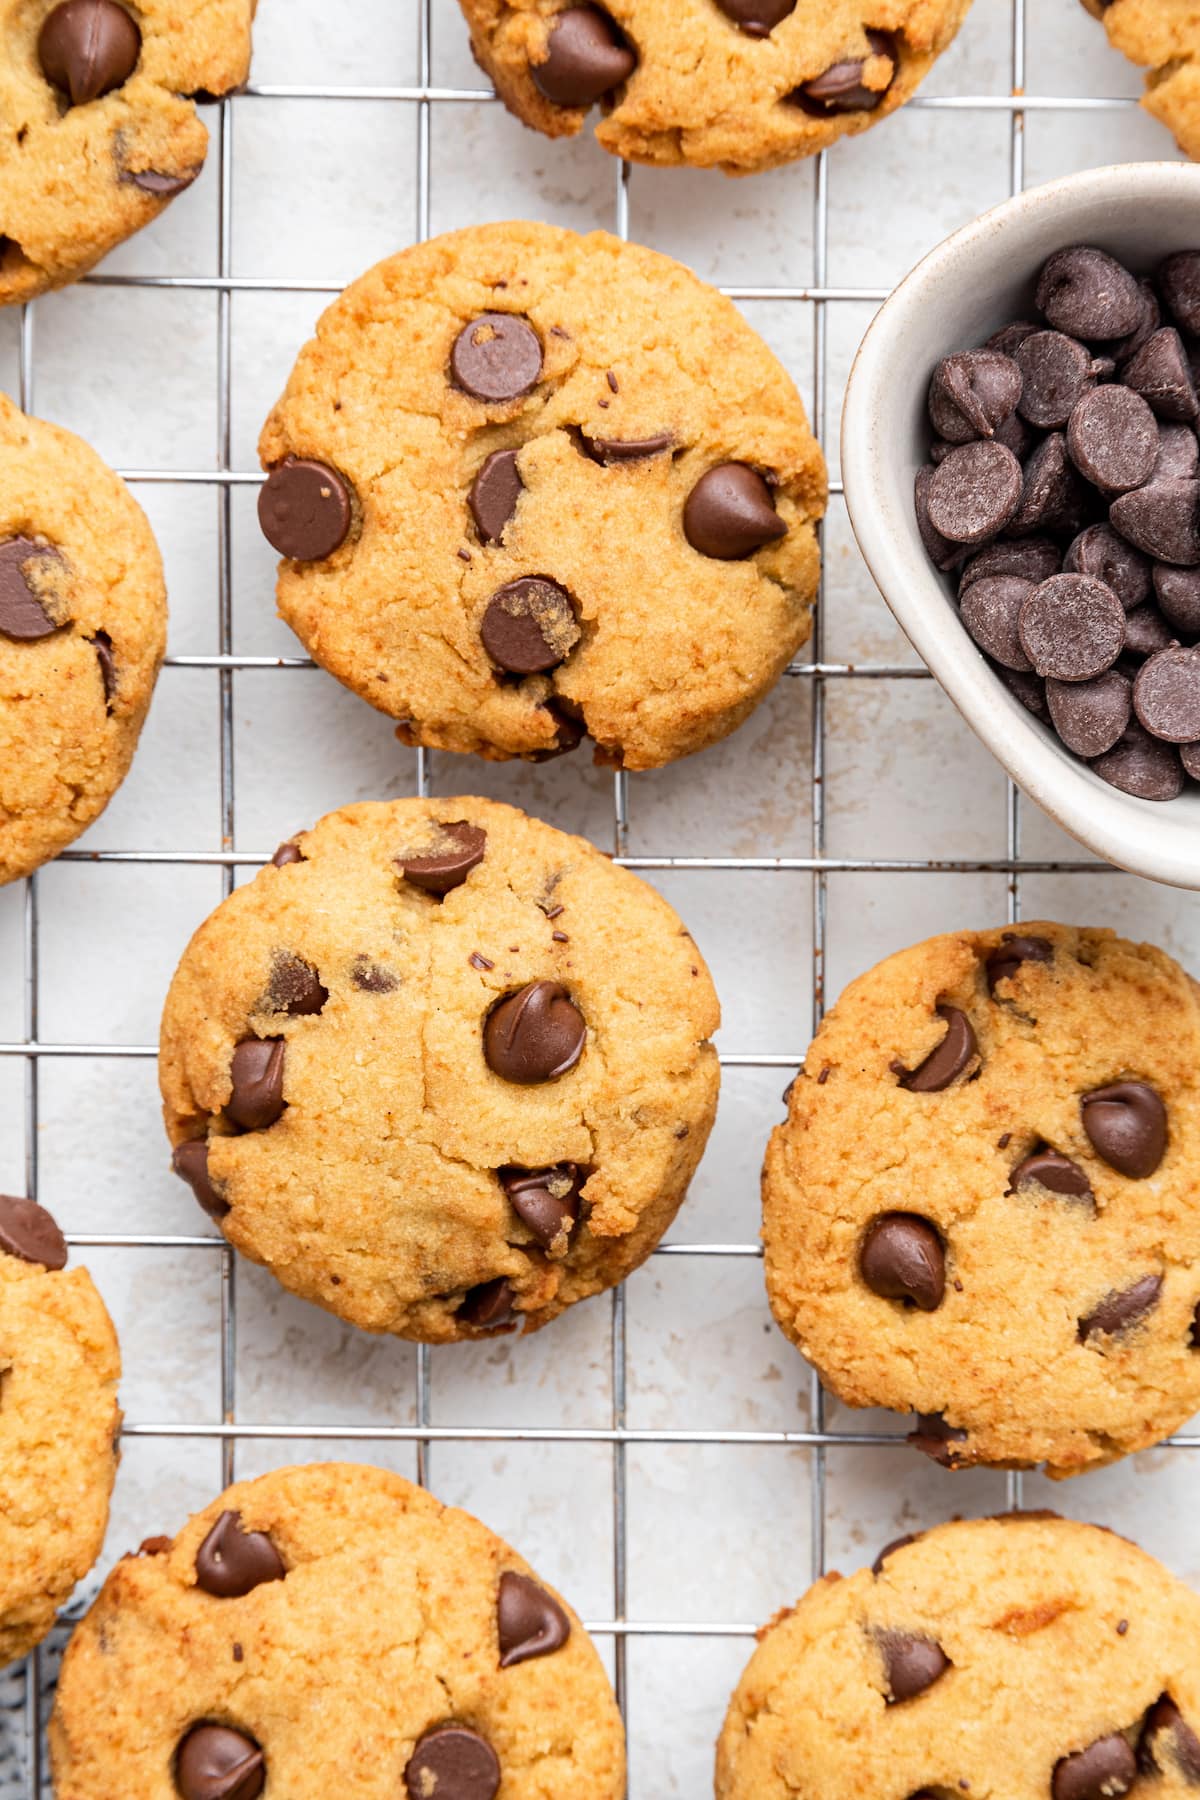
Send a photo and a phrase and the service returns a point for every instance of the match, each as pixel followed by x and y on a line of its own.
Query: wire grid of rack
pixel 223 478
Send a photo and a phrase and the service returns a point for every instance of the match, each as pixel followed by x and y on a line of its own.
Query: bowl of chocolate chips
pixel 1022 472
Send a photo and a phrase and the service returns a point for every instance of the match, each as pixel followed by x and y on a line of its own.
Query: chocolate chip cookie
pixel 83 626
pixel 444 1069
pixel 981 1207
pixel 530 485
pixel 740 84
pixel 333 1629
pixel 1163 36
pixel 1025 1657
pixel 98 125
pixel 59 1367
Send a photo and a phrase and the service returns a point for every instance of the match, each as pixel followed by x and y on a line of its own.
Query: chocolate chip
pixel 529 626
pixel 547 1201
pixel 1166 695
pixel 991 608
pixel 1178 594
pixel 295 987
pixel 214 1762
pixel 1112 438
pixel 1033 559
pixel 941 552
pixel 1072 627
pixel 1003 962
pixel 1028 690
pixel 841 89
pixel 27 1231
pixel 1162 519
pixel 1147 632
pixel 1009 338
pixel 1179 279
pixel 1122 349
pixel 304 509
pixel 1168 1743
pixel 1091 716
pixel 900 1543
pixel 496 357
pixel 190 1162
pixel 534 1035
pixel 1161 374
pixel 1053 497
pixel 453 1763
pixel 1127 1126
pixel 1121 1309
pixel 494 495
pixel 910 1664
pixel 1083 291
pixel 730 513
pixel 1105 1769
pixel 489 1306
pixel 256 1070
pixel 22 615
pixel 102 645
pixel 157 181
pixel 372 978
pixel 934 1438
pixel 1050 1169
pixel 460 847
pixel 1142 766
pixel 757 18
pixel 974 492
pixel 972 393
pixel 622 450
pixel 1189 756
pixel 1103 553
pixel 87 48
pixel 586 58
pixel 232 1561
pixel 947 1062
pixel 287 853
pixel 530 1621
pixel 902 1259
pixel 1178 453
pixel 1055 373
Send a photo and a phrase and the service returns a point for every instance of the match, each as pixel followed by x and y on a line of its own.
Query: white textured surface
pixel 715 1533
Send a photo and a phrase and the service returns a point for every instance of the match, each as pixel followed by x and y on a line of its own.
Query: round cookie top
pixel 743 84
pixel 531 484
pixel 433 1659
pixel 445 1070
pixel 59 1367
pixel 1164 36
pixel 981 1207
pixel 1024 1657
pixel 83 625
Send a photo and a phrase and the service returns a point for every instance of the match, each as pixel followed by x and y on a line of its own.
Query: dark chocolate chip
pixel 102 644
pixel 1112 438
pixel 1028 690
pixel 1189 756
pixel 1009 338
pixel 1103 1771
pixel 841 88
pixel 1050 1169
pixel 496 357
pixel 214 1762
pixel 1147 632
pixel 1163 519
pixel 910 1664
pixel 460 847
pixel 529 626
pixel 941 552
pixel 1142 766
pixel 990 610
pixel 1072 628
pixel 974 492
pixel 372 978
pixel 1127 1126
pixel 890 1549
pixel 1104 554
pixel 1179 280
pixel 1121 1309
pixel 1091 716
pixel 1178 594
pixel 623 450
pixel 190 1162
pixel 1053 497
pixel 530 1621
pixel 1161 374
pixel 586 58
pixel 1121 349
pixel 1055 372
pixel 22 615
pixel 1013 949
pixel 304 509
pixel 934 1438
pixel 88 48
pixel 1033 559
pixel 295 987
pixel 1178 453
pixel 902 1259
pixel 494 495
pixel 160 183
pixel 287 853
pixel 232 1561
pixel 546 1200
pixel 947 1062
pixel 534 1035
pixel 1083 291
pixel 1166 695
pixel 453 1763
pixel 256 1070
pixel 757 18
pixel 27 1231
pixel 1168 1743
pixel 972 393
pixel 730 513
pixel 489 1306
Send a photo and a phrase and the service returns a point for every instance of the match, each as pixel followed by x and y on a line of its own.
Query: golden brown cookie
pixel 982 1205
pixel 531 485
pixel 1164 36
pixel 59 1367
pixel 83 626
pixel 743 84
pixel 333 1629
pixel 445 1071
pixel 98 125
pixel 1022 1658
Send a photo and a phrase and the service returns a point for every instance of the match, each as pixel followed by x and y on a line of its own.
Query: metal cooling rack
pixel 23 1705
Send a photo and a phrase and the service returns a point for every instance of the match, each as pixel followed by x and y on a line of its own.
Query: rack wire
pixel 223 479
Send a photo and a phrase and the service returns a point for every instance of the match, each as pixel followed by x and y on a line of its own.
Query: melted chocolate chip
pixel 910 1664
pixel 534 1035
pixel 934 1438
pixel 256 1070
pixel 287 853
pixel 890 1549
pixel 1104 1770
pixel 1121 1310
pixel 623 450
pixel 488 1306
pixel 88 48
pixel 946 1063
pixel 496 357
pixel 1050 1169
pixel 841 88
pixel 586 58
pixel 295 987
pixel 22 615
pixel 190 1162
pixel 494 495
pixel 214 1762
pixel 902 1258
pixel 27 1231
pixel 757 18
pixel 530 1621
pixel 547 1201
pixel 304 509
pixel 1003 962
pixel 1168 1743
pixel 730 513
pixel 460 848
pixel 1127 1125
pixel 453 1764
pixel 232 1562
pixel 529 626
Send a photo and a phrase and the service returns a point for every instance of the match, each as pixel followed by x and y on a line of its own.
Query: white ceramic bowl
pixel 964 290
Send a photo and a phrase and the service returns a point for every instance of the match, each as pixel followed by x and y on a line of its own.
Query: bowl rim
pixel 1136 835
